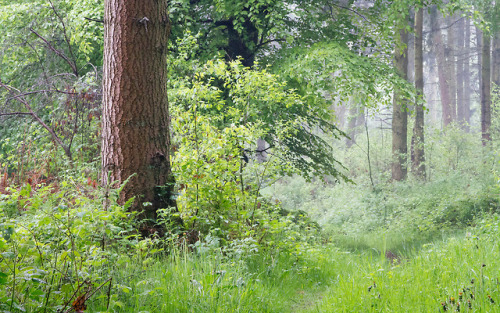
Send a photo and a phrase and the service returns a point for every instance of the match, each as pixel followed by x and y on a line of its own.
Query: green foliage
pixel 333 71
pixel 53 240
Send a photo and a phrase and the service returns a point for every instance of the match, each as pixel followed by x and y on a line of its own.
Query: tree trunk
pixel 486 88
pixel 461 56
pixel 135 127
pixel 495 59
pixel 444 86
pixel 450 66
pixel 467 74
pixel 399 113
pixel 479 50
pixel 418 156
pixel 354 116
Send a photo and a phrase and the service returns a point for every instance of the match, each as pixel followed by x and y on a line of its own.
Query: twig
pixel 68 42
pixel 349 9
pixel 39 120
pixel 57 52
pixel 15 113
pixel 94 20
pixel 109 292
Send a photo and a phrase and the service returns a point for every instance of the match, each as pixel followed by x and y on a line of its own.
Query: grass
pixel 457 271
pixel 189 282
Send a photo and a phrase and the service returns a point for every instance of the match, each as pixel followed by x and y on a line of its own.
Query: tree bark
pixel 418 155
pixel 486 88
pixel 444 86
pixel 399 113
pixel 135 127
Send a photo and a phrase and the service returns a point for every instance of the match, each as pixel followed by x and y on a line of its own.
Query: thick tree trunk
pixel 444 86
pixel 418 156
pixel 399 113
pixel 135 127
pixel 486 89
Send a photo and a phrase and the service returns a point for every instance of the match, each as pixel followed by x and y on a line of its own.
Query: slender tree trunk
pixel 495 56
pixel 135 126
pixel 418 157
pixel 479 50
pixel 352 128
pixel 444 86
pixel 461 56
pixel 486 89
pixel 340 112
pixel 467 74
pixel 450 66
pixel 399 113
pixel 495 59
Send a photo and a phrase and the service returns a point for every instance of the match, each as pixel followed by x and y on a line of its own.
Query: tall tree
pixel 418 156
pixel 444 84
pixel 486 88
pixel 461 59
pixel 451 72
pixel 135 127
pixel 495 58
pixel 466 75
pixel 399 113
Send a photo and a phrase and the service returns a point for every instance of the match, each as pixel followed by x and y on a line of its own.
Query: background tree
pixel 418 154
pixel 399 111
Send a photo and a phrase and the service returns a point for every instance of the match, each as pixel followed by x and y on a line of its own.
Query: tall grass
pixel 459 274
pixel 184 281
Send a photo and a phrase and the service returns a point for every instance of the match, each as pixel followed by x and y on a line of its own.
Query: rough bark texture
pixel 418 156
pixel 444 86
pixel 486 89
pixel 135 112
pixel 399 113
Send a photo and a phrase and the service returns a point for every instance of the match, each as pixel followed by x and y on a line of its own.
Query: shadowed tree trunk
pixel 399 114
pixel 486 88
pixel 135 127
pixel 418 156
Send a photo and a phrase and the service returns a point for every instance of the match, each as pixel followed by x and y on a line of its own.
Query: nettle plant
pixel 219 115
pixel 56 243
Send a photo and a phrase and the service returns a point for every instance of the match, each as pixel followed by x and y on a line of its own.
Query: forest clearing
pixel 249 156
